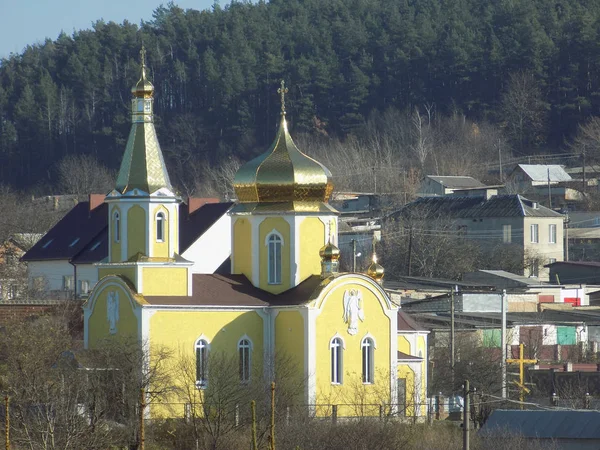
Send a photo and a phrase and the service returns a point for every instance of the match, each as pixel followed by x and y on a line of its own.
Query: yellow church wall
pixel 312 238
pixel 115 247
pixel 160 249
pixel 127 272
pixel 165 281
pixel 403 345
pixel 405 372
pixel 283 228
pixel 136 231
pixel 178 331
pixel 98 326
pixel 242 247
pixel 357 398
pixel 289 337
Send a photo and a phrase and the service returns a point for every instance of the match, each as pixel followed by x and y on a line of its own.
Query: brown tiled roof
pixel 407 323
pixel 410 357
pixel 235 290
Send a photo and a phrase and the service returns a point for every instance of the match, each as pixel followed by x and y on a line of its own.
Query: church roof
pixel 81 236
pixel 235 290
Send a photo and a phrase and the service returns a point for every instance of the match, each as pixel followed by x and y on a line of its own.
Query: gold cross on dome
pixel 282 91
pixel 143 55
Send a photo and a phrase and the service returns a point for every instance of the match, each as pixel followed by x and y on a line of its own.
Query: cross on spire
pixel 143 55
pixel 282 91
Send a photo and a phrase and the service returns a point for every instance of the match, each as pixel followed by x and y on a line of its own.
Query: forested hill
pixel 216 74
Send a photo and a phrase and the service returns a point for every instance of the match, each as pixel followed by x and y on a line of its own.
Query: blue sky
pixel 24 22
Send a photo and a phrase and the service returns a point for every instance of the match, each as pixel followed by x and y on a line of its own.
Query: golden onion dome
pixel 143 88
pixel 283 173
pixel 329 252
pixel 375 271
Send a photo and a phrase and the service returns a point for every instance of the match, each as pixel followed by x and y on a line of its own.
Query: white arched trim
pixel 202 337
pixel 368 336
pixel 247 338
pixel 160 219
pixel 276 233
pixel 361 280
pixel 337 336
pixel 116 225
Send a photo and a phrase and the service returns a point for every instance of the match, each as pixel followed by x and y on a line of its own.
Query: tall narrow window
pixel 244 350
pixel 160 227
pixel 507 234
pixel 274 243
pixel 552 233
pixel 534 233
pixel 337 348
pixel 201 349
pixel 117 227
pixel 367 360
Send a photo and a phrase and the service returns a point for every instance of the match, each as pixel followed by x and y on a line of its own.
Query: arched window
pixel 160 227
pixel 337 359
pixel 201 348
pixel 117 226
pixel 368 362
pixel 244 350
pixel 274 242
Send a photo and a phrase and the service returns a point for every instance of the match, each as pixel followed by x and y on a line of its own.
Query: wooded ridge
pixel 529 67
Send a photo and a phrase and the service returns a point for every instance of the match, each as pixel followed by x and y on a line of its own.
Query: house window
pixel 68 282
pixel 117 227
pixel 534 269
pixel 367 346
pixel 337 348
pixel 244 350
pixel 160 227
pixel 274 243
pixel 551 260
pixel 534 233
pixel 11 292
pixel 507 234
pixel 552 233
pixel 201 349
pixel 84 286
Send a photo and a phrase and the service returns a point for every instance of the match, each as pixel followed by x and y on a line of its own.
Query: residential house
pixel 13 272
pixel 584 272
pixel 63 262
pixel 536 231
pixel 525 176
pixel 433 185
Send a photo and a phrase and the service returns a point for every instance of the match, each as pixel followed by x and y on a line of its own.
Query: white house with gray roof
pixel 501 219
pixel 433 185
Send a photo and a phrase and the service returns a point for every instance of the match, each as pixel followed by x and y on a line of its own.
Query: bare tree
pixel 82 175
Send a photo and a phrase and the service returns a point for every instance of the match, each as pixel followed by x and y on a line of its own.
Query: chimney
pixel 195 203
pixel 96 200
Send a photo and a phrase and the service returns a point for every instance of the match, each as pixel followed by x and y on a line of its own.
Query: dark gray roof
pixel 457 182
pixel 543 424
pixel 474 207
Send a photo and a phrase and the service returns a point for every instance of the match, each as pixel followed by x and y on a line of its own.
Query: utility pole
pixel 7 423
pixel 503 343
pixel 583 157
pixel 353 255
pixel 567 237
pixel 500 160
pixel 410 238
pixel 549 191
pixel 466 412
pixel 452 342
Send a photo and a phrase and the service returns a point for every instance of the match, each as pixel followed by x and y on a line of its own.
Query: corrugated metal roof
pixel 456 182
pixel 474 207
pixel 543 424
pixel 539 172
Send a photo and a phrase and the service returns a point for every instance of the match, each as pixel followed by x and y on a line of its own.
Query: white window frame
pixel 274 238
pixel 552 233
pixel 116 226
pixel 68 282
pixel 336 348
pixel 534 231
pixel 245 361
pixel 160 220
pixel 84 284
pixel 367 350
pixel 202 345
pixel 507 234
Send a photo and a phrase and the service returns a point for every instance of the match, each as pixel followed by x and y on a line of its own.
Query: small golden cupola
pixel 330 256
pixel 283 174
pixel 375 270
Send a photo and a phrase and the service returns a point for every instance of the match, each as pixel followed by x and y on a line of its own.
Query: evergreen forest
pixel 530 68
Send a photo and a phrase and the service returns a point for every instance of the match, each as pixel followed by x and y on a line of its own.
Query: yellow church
pixel 284 295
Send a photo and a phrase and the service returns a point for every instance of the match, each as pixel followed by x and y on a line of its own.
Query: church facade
pixel 284 296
